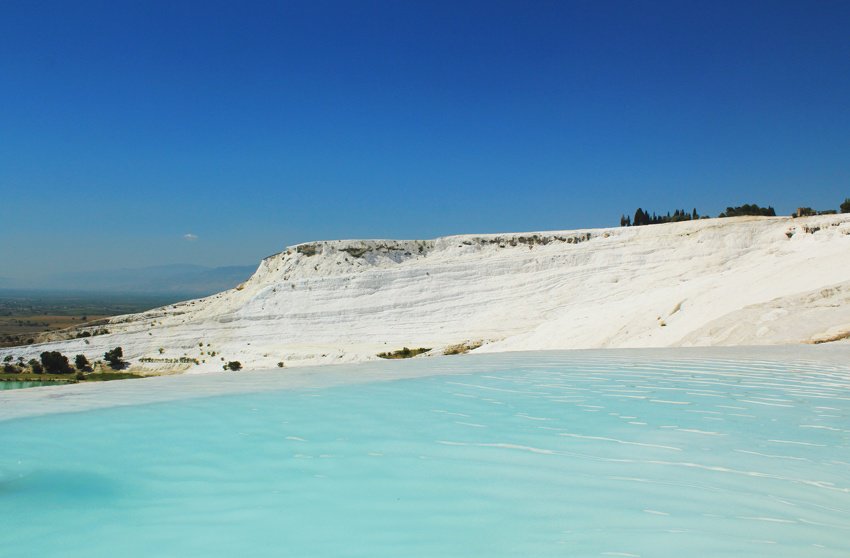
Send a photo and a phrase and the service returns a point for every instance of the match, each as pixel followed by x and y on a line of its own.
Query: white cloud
pixel 190 237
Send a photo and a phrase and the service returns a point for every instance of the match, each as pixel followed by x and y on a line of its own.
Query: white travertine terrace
pixel 735 281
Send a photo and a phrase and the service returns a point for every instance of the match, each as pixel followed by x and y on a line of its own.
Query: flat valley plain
pixel 24 314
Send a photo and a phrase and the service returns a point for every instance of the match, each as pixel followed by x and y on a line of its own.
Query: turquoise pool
pixel 591 453
pixel 4 385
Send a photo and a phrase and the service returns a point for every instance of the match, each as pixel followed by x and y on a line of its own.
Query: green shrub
pixel 644 218
pixel 81 362
pixel 115 358
pixel 404 353
pixel 233 365
pixel 55 362
pixel 748 209
pixel 462 348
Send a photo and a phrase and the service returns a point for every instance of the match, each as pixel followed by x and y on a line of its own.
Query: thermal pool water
pixel 706 452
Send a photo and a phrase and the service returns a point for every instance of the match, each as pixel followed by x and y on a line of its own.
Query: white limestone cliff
pixel 736 281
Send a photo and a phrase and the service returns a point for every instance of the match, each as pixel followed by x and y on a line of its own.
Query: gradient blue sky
pixel 253 125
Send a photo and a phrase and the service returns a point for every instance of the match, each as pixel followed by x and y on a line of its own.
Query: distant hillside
pixel 184 279
pixel 735 281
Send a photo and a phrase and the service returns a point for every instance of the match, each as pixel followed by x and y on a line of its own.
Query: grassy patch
pixel 404 353
pixel 106 376
pixel 68 378
pixel 30 377
pixel 462 348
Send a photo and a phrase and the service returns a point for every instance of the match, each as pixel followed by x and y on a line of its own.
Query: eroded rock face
pixel 731 281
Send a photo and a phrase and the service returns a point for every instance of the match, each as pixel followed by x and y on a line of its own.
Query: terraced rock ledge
pixel 735 281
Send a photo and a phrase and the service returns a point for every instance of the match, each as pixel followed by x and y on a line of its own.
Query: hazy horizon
pixel 176 279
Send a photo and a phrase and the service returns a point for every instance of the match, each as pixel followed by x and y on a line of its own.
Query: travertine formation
pixel 736 281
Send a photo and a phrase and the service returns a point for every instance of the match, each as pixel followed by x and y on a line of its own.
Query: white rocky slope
pixel 738 281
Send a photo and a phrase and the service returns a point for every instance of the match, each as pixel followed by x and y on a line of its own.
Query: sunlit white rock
pixel 737 281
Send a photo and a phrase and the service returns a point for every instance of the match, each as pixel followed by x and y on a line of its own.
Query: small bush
pixel 9 368
pixel 748 209
pixel 280 364
pixel 55 362
pixel 462 348
pixel 35 366
pixel 404 353
pixel 233 366
pixel 166 360
pixel 808 211
pixel 81 362
pixel 115 358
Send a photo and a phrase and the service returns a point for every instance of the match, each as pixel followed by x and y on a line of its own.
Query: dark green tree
pixel 845 207
pixel 748 209
pixel 645 218
pixel 81 362
pixel 55 362
pixel 115 358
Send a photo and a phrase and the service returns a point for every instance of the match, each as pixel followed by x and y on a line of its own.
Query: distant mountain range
pixel 183 279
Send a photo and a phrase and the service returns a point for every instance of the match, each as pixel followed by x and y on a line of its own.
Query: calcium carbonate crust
pixel 736 281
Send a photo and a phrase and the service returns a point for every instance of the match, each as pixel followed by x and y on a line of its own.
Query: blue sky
pixel 125 126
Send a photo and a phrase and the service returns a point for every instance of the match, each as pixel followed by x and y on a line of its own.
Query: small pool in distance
pixel 619 453
pixel 4 385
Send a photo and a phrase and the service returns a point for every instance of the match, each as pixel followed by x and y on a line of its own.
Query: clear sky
pixel 127 125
